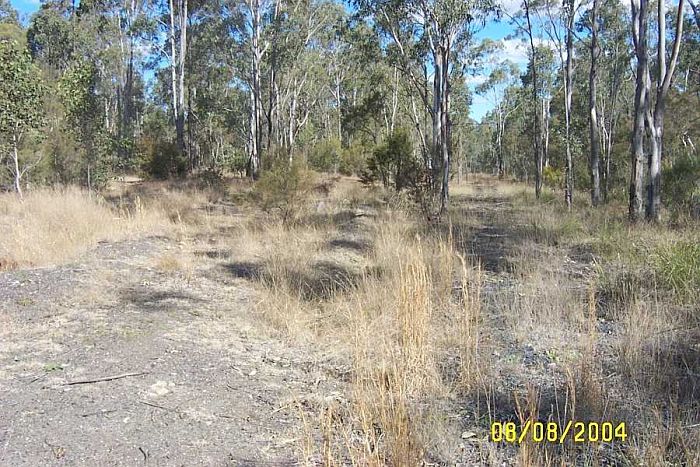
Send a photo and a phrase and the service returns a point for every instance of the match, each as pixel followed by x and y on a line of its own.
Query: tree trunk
pixel 445 136
pixel 656 124
pixel 568 95
pixel 592 108
pixel 254 160
pixel 641 95
pixel 499 144
pixel 537 128
pixel 15 159
pixel 545 131
pixel 180 121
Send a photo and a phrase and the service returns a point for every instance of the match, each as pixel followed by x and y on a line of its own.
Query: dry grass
pixel 389 303
pixel 590 319
pixel 52 226
pixel 609 305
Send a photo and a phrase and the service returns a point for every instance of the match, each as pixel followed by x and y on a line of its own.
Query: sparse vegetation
pixel 305 232
pixel 503 313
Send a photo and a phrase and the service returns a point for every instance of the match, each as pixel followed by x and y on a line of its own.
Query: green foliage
pixel 325 156
pixel 286 188
pixel 393 162
pixel 236 161
pixel 677 266
pixel 681 182
pixel 553 177
pixel 161 159
pixel 329 156
pixel 353 160
pixel 78 94
pixel 21 92
pixel 85 117
pixel 8 15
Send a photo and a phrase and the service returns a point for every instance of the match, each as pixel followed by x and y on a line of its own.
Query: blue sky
pixel 26 6
pixel 513 50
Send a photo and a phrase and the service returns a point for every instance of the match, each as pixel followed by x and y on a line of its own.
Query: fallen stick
pixel 106 378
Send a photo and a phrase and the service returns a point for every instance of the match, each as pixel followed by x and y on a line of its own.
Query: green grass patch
pixel 677 267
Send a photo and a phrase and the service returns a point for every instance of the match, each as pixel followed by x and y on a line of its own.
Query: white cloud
pixel 475 80
pixel 510 7
pixel 516 51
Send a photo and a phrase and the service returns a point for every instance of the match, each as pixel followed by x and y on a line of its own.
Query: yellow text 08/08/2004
pixel 553 432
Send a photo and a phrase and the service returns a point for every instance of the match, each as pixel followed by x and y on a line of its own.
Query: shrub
pixel 162 159
pixel 553 177
pixel 325 156
pixel 285 187
pixel 353 160
pixel 682 185
pixel 237 162
pixel 393 163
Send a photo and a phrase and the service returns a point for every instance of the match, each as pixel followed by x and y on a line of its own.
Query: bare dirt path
pixel 195 382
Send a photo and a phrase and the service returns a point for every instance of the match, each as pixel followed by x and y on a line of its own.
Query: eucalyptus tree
pixel 10 27
pixel 593 106
pixel 21 94
pixel 647 114
pixel 425 35
pixel 615 92
pixel 8 15
pixel 665 68
pixel 524 21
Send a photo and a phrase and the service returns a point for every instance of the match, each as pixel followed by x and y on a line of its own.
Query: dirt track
pixel 198 380
pixel 210 389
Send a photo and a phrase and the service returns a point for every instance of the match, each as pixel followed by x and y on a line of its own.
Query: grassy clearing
pixel 618 306
pixel 512 310
pixel 53 226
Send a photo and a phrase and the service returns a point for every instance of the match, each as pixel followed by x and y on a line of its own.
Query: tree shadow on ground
pixel 323 281
pixel 358 246
pixel 490 242
pixel 244 270
pixel 150 299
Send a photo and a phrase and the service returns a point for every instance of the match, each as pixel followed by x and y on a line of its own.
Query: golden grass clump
pixel 51 226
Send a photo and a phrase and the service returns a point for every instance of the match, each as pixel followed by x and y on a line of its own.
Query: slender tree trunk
pixel 15 159
pixel 182 55
pixel 568 95
pixel 173 64
pixel 394 98
pixel 656 123
pixel 545 131
pixel 254 160
pixel 273 98
pixel 537 127
pixel 696 12
pixel 592 108
pixel 445 145
pixel 499 144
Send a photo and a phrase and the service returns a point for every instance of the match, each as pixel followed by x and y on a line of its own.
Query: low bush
pixel 162 159
pixel 285 187
pixel 681 186
pixel 393 162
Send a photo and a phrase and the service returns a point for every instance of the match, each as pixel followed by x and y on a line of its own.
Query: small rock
pixel 468 434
